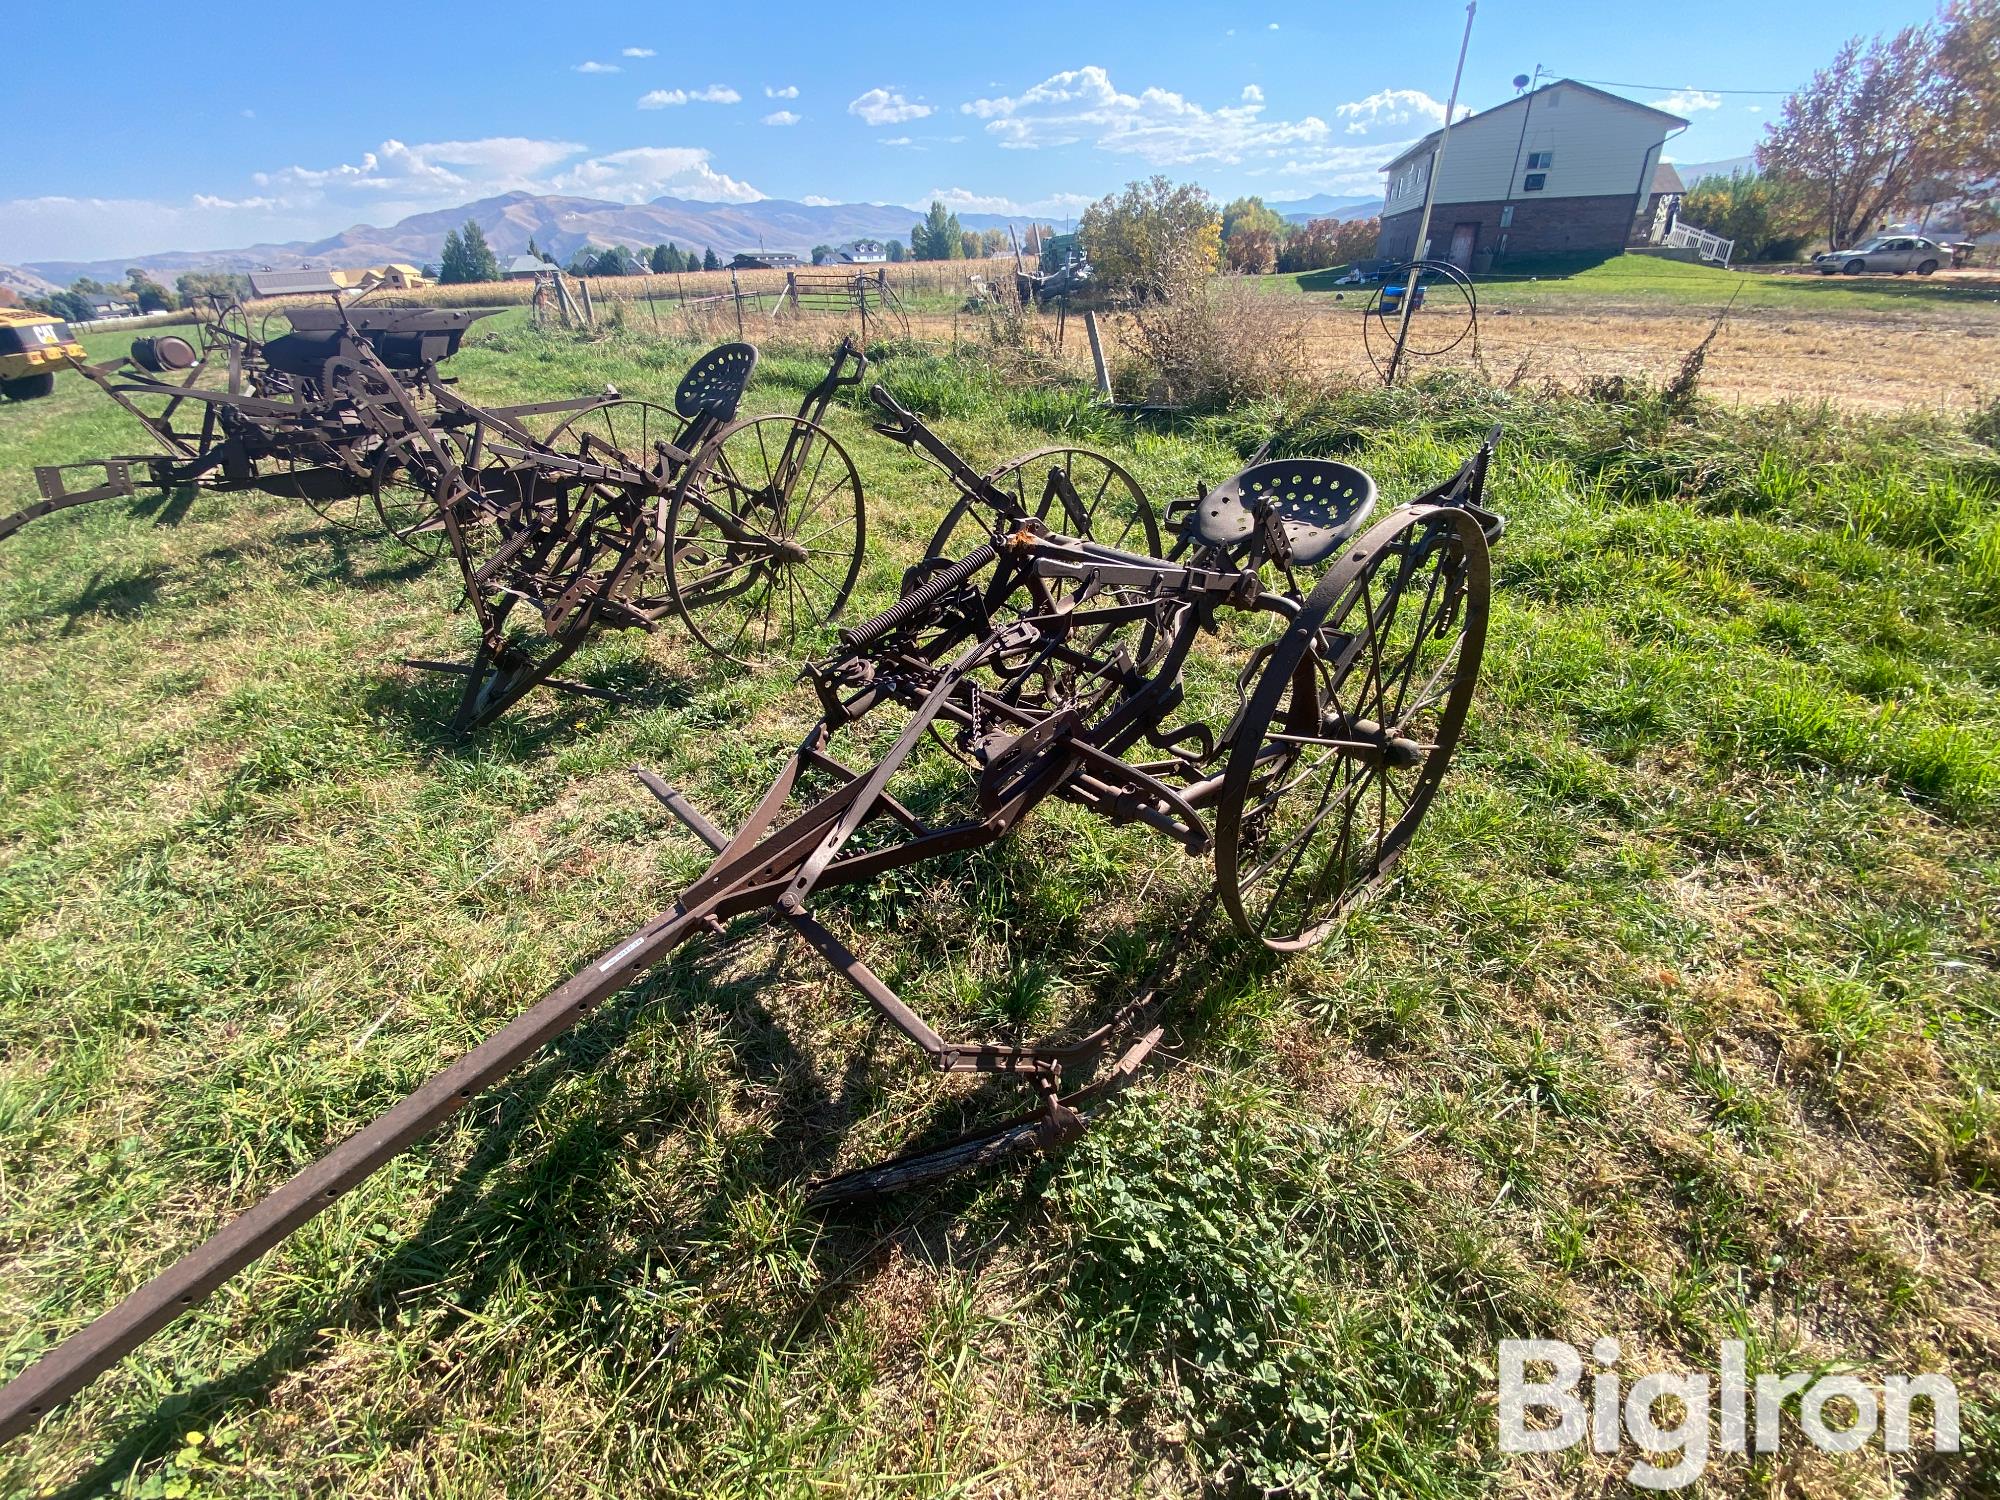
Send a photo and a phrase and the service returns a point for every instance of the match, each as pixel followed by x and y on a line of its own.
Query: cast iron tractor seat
pixel 714 384
pixel 1318 504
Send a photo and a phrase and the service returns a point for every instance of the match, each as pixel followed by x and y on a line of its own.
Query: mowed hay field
pixel 1681 1022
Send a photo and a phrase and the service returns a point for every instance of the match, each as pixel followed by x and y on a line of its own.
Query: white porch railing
pixel 1684 236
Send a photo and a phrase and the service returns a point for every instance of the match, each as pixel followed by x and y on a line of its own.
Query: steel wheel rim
pixel 1353 811
pixel 792 481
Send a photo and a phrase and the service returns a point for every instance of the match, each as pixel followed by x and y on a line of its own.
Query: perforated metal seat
pixel 716 382
pixel 1322 504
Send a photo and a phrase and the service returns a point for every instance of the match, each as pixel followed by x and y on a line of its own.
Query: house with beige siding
pixel 1566 168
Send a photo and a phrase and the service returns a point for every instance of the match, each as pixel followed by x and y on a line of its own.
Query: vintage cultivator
pixel 627 513
pixel 281 419
pixel 748 530
pixel 1034 665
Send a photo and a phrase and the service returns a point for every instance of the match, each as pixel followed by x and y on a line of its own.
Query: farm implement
pixel 277 417
pixel 748 530
pixel 1032 665
pixel 627 513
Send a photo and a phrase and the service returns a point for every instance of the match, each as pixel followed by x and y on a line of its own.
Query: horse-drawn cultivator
pixel 1038 652
pixel 625 514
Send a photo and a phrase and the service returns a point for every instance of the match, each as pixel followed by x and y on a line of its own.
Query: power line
pixel 1675 88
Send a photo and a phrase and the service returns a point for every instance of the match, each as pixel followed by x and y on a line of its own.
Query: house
pixel 1565 168
pixel 268 283
pixel 397 276
pixel 860 253
pixel 523 266
pixel 766 260
pixel 113 305
pixel 1663 206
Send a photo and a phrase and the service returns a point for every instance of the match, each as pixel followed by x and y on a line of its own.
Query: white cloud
pixel 1754 109
pixel 1389 108
pixel 899 140
pixel 653 172
pixel 1252 94
pixel 1162 127
pixel 1328 169
pixel 248 114
pixel 1055 205
pixel 789 91
pixel 715 93
pixel 637 52
pixel 1688 102
pixel 1273 26
pixel 885 107
pixel 782 117
pixel 595 67
pixel 380 186
pixel 813 200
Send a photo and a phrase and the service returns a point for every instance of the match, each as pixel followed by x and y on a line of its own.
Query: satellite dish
pixel 1520 80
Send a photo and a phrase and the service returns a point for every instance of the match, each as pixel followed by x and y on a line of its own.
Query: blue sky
pixel 226 125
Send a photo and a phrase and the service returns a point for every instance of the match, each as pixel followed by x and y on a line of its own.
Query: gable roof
pixel 1522 101
pixel 1666 180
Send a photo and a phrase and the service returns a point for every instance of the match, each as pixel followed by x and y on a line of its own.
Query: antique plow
pixel 1033 666
pixel 747 530
pixel 278 418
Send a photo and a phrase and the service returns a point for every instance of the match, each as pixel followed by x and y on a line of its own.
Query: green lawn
pixel 1681 1022
pixel 1646 280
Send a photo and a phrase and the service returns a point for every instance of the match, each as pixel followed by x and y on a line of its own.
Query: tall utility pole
pixel 1411 281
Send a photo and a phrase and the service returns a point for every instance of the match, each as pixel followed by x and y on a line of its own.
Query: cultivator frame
pixel 695 515
pixel 592 528
pixel 1038 665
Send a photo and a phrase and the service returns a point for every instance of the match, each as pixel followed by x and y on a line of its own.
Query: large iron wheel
pixel 404 489
pixel 621 433
pixel 1351 725
pixel 765 535
pixel 1077 492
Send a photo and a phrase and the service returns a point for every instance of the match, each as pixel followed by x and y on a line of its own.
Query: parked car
pixel 1885 252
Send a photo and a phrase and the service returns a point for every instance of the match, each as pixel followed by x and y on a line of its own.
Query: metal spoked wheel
pixel 333 494
pixel 404 490
pixel 1075 491
pixel 1351 725
pixel 765 535
pixel 621 433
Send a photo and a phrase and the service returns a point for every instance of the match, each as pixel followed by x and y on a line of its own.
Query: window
pixel 1535 182
pixel 1506 215
pixel 1541 160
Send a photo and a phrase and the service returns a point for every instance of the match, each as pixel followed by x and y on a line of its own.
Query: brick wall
pixel 1542 226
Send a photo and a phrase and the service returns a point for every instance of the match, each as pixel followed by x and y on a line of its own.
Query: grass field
pixel 1681 1022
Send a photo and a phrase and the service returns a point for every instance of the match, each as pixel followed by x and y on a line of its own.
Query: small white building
pixel 1563 169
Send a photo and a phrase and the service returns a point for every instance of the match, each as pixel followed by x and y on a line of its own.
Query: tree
pixel 895 251
pixel 1251 251
pixel 430 271
pixel 993 242
pixel 616 260
pixel 939 235
pixel 710 261
pixel 969 245
pixel 1356 239
pixel 467 256
pixel 1155 239
pixel 824 255
pixel 1769 217
pixel 152 296
pixel 1250 216
pixel 1892 115
pixel 71 306
pixel 199 286
pixel 657 261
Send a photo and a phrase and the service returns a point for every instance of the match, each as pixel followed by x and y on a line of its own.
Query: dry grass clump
pixel 1214 345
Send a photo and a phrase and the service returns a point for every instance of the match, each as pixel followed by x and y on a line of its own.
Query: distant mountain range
pixel 560 226
pixel 1693 171
pixel 24 282
pixel 1325 206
